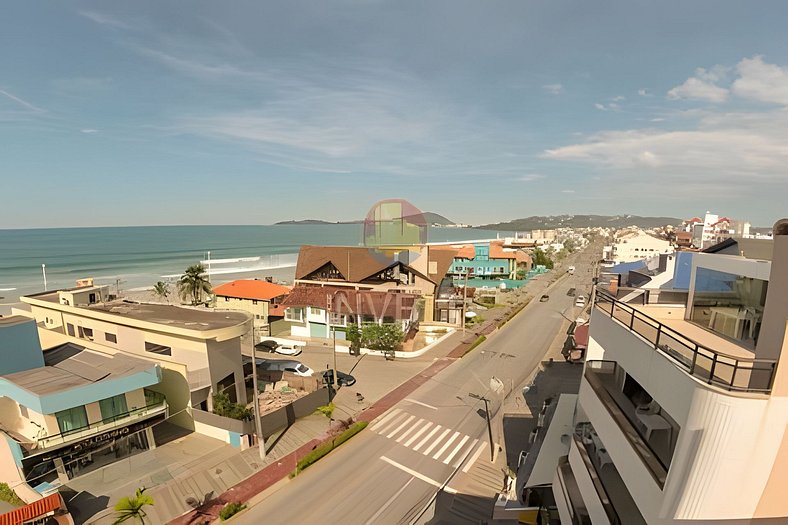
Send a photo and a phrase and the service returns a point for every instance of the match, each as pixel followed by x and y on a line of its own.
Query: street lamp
pixel 489 425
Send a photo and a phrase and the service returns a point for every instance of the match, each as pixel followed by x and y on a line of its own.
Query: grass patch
pixel 7 494
pixel 328 446
pixel 479 340
pixel 230 510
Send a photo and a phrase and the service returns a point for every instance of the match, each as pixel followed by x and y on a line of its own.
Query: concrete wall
pixel 772 334
pixel 225 358
pixel 20 347
pixel 259 310
pixel 286 416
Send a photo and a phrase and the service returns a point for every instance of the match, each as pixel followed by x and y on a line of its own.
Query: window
pixel 72 419
pixel 226 299
pixel 158 349
pixel 338 319
pixel 112 338
pixel 315 311
pixel 92 298
pixel 254 301
pixel 227 386
pixel 88 333
pixel 294 314
pixel 113 408
pixel 70 329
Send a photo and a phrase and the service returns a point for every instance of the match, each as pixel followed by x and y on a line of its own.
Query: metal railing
pixel 711 366
pixel 153 406
pixel 596 480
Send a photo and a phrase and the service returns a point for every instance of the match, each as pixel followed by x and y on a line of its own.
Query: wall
pixel 20 346
pixel 245 305
pixel 286 416
pixel 225 358
pixel 10 461
pixel 772 333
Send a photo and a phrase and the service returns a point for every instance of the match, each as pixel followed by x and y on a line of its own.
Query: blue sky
pixel 248 112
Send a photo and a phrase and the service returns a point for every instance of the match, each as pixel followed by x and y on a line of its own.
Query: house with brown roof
pixel 489 260
pixel 414 270
pixel 261 298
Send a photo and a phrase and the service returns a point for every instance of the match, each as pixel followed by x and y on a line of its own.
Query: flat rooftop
pixel 11 320
pixel 176 316
pixel 70 365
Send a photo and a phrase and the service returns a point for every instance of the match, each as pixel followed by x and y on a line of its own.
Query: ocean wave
pixel 237 269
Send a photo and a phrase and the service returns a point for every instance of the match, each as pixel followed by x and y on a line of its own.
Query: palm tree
pixel 132 507
pixel 161 290
pixel 193 284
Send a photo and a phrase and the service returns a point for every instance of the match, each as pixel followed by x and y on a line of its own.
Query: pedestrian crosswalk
pixel 440 443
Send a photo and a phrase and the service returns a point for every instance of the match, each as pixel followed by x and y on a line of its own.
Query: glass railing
pixel 155 403
pixel 709 365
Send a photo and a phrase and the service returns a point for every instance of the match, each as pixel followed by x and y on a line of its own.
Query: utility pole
pixel 257 428
pixel 489 424
pixel 44 270
pixel 464 298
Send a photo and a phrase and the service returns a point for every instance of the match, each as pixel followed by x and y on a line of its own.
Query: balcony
pixel 715 360
pixel 155 405
pixel 652 448
pixel 569 495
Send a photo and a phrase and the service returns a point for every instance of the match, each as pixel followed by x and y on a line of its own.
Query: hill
pixel 540 222
pixel 429 217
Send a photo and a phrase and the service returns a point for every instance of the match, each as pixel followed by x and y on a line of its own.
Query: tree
pixel 193 284
pixel 132 508
pixel 161 290
pixel 222 406
pixel 542 258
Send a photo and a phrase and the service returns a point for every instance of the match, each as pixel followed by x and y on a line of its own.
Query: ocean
pixel 136 257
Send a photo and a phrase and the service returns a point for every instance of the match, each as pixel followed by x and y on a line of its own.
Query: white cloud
pixel 88 131
pixel 567 191
pixel 553 89
pixel 644 93
pixel 531 177
pixel 105 20
pixel 761 81
pixel 611 106
pixel 702 86
pixel 600 107
pixel 618 98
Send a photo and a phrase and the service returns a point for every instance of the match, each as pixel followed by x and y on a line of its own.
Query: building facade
pixel 261 299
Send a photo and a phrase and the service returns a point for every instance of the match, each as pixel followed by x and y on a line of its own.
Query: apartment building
pixel 199 349
pixel 682 410
pixel 68 410
pixel 633 246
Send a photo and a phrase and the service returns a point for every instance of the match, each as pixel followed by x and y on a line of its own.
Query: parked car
pixel 281 365
pixel 283 346
pixel 544 298
pixel 580 301
pixel 342 378
pixel 271 346
pixel 570 292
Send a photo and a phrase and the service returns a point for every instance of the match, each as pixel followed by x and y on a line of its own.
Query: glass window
pixel 294 314
pixel 72 419
pixel 112 338
pixel 158 349
pixel 70 329
pixel 254 301
pixel 113 407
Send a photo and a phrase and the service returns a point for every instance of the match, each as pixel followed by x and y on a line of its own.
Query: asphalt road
pixel 392 470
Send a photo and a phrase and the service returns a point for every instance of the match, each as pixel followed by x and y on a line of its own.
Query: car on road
pixel 544 298
pixel 570 292
pixel 580 301
pixel 342 378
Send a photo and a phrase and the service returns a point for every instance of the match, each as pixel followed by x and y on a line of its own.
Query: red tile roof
pixel 251 289
pixel 34 510
pixel 581 336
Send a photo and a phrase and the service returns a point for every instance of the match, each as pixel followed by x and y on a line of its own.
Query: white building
pixel 635 246
pixel 682 411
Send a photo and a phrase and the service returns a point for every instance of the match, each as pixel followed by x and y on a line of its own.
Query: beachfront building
pixel 489 261
pixel 261 298
pixel 633 246
pixel 418 270
pixel 682 412
pixel 199 349
pixel 68 410
pixel 308 314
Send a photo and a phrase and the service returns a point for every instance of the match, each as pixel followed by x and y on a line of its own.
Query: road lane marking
pixel 456 449
pixel 445 446
pixel 475 456
pixel 420 403
pixel 462 457
pixel 388 416
pixel 392 423
pixel 421 443
pixel 436 442
pixel 418 475
pixel 411 418
pixel 413 427
pixel 417 434
pixel 389 502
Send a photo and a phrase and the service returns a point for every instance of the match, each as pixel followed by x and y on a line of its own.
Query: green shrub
pixel 8 494
pixel 328 446
pixel 230 510
pixel 326 410
pixel 479 340
pixel 222 406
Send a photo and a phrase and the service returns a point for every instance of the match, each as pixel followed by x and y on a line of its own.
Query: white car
pixel 280 345
pixel 580 301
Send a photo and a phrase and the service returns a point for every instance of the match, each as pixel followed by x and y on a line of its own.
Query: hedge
pixel 328 446
pixel 479 340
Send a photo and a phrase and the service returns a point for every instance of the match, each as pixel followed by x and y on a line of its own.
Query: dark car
pixel 342 378
pixel 570 292
pixel 544 298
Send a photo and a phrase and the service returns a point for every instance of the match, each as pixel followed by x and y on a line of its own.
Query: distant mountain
pixel 538 222
pixel 429 217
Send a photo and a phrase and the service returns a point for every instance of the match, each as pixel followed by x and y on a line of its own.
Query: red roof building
pixel 262 299
pixel 251 289
pixel 49 506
